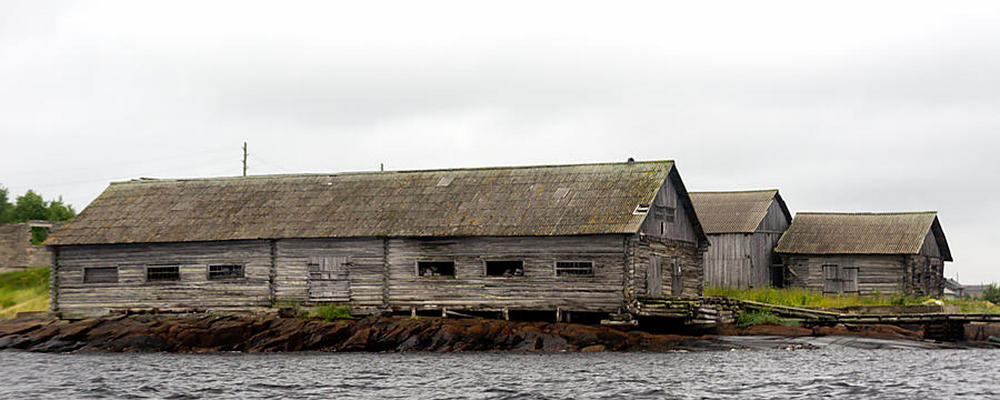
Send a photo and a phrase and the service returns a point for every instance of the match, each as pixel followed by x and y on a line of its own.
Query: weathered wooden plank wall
pixel 741 260
pixel 689 256
pixel 365 269
pixel 193 290
pixel 877 274
pixel 681 228
pixel 728 261
pixel 539 288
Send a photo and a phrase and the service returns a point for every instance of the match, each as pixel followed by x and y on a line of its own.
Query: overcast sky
pixel 844 106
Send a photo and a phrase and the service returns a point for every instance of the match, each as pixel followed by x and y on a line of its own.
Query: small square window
pixel 575 268
pixel 171 273
pixel 436 268
pixel 100 275
pixel 225 272
pixel 505 268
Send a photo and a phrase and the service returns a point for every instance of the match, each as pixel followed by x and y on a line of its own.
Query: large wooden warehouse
pixel 743 228
pixel 866 253
pixel 577 238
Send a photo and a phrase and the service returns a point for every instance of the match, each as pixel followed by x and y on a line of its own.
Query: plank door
pixel 654 277
pixel 849 279
pixel 831 278
pixel 676 279
pixel 329 279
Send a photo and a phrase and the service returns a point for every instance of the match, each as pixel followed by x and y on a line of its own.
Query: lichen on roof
pixel 497 201
pixel 862 233
pixel 732 211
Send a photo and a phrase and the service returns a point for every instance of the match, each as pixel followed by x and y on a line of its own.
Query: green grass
pixel 329 313
pixel 757 317
pixel 795 297
pixel 23 291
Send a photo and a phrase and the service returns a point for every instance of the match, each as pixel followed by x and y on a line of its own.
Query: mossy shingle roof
pixel 733 212
pixel 862 233
pixel 511 201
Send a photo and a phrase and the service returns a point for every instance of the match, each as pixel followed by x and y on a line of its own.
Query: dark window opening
pixel 100 275
pixel 505 268
pixel 225 271
pixel 574 268
pixel 666 214
pixel 436 268
pixel 163 273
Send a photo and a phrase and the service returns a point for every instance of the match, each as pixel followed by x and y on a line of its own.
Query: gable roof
pixel 862 233
pixel 511 201
pixel 735 212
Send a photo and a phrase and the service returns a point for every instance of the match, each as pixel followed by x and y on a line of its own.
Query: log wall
pixel 690 257
pixel 538 289
pixel 877 274
pixel 194 290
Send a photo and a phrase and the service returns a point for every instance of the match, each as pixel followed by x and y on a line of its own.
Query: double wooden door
pixel 329 279
pixel 654 277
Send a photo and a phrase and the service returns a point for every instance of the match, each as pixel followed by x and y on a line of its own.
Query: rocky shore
pixel 243 333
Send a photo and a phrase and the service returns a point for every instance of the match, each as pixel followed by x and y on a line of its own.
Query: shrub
pixel 331 313
pixel 992 294
pixel 757 317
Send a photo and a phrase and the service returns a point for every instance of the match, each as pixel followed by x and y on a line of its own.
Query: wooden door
pixel 654 277
pixel 676 279
pixel 831 278
pixel 849 279
pixel 329 279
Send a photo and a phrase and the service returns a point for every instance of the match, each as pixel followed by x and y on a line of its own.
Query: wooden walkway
pixel 699 310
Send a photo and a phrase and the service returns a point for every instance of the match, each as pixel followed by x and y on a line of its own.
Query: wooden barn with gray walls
pixel 743 228
pixel 866 253
pixel 572 238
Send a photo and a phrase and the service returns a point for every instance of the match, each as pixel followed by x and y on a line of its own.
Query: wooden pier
pixel 715 311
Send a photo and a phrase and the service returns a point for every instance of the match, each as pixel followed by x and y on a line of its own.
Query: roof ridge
pixel 320 174
pixel 866 213
pixel 733 191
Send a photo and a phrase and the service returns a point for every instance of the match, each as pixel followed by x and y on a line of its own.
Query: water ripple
pixel 837 373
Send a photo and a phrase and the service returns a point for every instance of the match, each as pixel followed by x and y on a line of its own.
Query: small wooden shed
pixel 743 228
pixel 577 238
pixel 866 253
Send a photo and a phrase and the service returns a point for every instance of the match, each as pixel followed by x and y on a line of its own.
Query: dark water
pixel 840 373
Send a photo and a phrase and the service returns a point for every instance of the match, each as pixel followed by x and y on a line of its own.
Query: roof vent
pixel 631 161
pixel 641 209
pixel 445 181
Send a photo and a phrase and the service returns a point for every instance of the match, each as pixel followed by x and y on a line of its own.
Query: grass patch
pixel 23 291
pixel 757 317
pixel 797 297
pixel 329 313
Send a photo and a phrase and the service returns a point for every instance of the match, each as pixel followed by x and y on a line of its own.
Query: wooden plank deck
pixel 695 308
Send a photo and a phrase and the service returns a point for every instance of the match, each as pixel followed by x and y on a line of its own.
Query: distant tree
pixel 30 206
pixel 59 211
pixel 992 293
pixel 5 207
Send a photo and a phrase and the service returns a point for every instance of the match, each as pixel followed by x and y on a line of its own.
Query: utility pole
pixel 244 158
